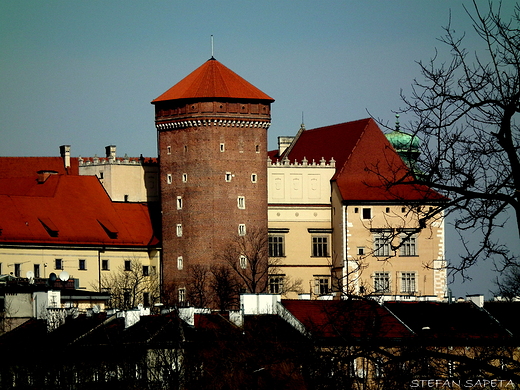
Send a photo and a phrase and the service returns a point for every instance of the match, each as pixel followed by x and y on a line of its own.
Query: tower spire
pixel 212 57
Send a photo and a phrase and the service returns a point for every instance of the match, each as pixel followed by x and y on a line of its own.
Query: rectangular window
pixel 180 263
pixel 17 270
pixel 82 264
pixel 276 246
pixel 184 177
pixel 382 245
pixel 169 179
pixel 37 272
pixel 361 250
pixel 408 282
pixel 254 178
pixel 168 150
pixel 228 176
pixel 381 282
pixel 367 213
pixel 241 229
pixel 241 202
pixel 179 230
pixel 58 264
pixel 222 147
pixel 276 284
pixel 182 295
pixel 128 265
pixel 322 285
pixel 320 247
pixel 242 261
pixel 146 270
pixel 179 202
pixel 408 245
pixel 104 265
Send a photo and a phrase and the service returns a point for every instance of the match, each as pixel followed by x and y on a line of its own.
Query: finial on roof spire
pixel 212 58
pixel 397 125
pixel 302 126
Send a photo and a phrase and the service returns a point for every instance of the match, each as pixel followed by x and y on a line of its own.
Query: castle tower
pixel 212 146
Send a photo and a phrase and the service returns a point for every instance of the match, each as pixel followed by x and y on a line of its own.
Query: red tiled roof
pixel 365 161
pixel 213 80
pixel 441 320
pixel 347 319
pixel 70 210
pixel 28 166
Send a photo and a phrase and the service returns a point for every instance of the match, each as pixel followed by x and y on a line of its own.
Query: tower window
pixel 179 230
pixel 179 202
pixel 228 176
pixel 243 261
pixel 180 263
pixel 241 202
pixel 222 147
pixel 169 150
pixel 254 178
pixel 184 177
pixel 241 229
pixel 182 295
pixel 169 178
pixel 257 148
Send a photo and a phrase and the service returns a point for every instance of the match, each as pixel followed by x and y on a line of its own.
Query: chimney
pixel 283 143
pixel 111 152
pixel 44 175
pixel 65 155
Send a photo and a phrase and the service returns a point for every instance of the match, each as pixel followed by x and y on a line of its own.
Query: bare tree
pixel 465 114
pixel 224 287
pixel 197 285
pixel 131 285
pixel 248 256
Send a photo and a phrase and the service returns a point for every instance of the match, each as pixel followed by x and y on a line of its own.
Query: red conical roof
pixel 213 80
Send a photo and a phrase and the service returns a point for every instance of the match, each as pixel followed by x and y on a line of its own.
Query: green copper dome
pixel 406 145
pixel 403 142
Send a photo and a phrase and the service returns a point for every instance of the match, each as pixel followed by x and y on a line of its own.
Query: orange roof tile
pixel 70 210
pixel 28 166
pixel 365 159
pixel 213 80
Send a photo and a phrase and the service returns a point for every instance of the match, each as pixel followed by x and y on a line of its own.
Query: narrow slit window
pixel 241 202
pixel 254 178
pixel 179 203
pixel 180 263
pixel 169 178
pixel 179 230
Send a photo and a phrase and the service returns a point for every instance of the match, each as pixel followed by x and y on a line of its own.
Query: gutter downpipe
pixel 344 238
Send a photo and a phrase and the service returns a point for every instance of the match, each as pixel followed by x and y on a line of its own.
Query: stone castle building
pixel 212 146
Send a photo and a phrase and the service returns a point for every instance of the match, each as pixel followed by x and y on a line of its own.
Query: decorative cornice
pixel 212 122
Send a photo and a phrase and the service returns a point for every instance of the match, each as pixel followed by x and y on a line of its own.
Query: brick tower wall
pixel 200 145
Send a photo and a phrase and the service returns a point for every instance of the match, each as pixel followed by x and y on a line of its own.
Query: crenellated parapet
pixel 304 163
pixel 93 161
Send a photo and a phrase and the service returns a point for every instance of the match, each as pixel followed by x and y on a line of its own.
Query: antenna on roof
pixel 212 47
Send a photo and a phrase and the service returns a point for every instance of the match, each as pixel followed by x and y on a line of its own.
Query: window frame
pixel 319 245
pixel 381 282
pixel 58 264
pixel 408 282
pixel 82 264
pixel 276 284
pixel 276 249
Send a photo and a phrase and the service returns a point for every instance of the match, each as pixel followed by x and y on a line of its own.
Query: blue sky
pixel 84 72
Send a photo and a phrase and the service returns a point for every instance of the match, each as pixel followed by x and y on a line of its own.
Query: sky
pixel 83 73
